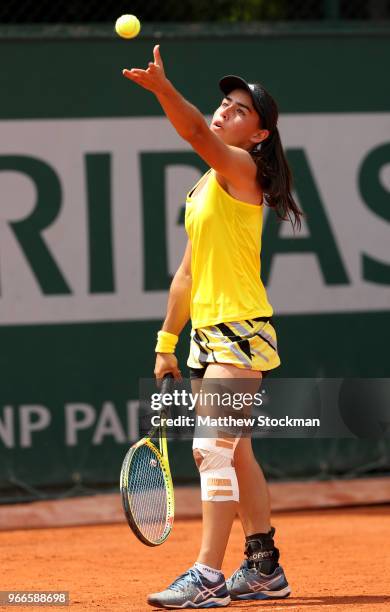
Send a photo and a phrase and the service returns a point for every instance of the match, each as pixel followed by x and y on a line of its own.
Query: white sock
pixel 208 572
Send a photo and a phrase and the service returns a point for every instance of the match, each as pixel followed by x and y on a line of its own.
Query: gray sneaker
pixel 249 583
pixel 192 590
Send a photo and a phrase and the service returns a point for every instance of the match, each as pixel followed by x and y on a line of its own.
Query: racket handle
pixel 167 383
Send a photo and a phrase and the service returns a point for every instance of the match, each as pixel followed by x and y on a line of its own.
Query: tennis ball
pixel 127 26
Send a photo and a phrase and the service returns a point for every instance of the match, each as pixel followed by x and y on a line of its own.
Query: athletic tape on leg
pixel 218 479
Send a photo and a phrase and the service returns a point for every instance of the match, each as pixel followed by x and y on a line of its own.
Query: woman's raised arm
pixel 234 163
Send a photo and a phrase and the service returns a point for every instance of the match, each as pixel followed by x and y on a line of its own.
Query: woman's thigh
pixel 229 371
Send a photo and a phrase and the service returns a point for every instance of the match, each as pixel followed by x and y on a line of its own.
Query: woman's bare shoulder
pixel 250 193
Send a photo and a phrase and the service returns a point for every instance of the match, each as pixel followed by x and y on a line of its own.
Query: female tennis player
pixel 218 286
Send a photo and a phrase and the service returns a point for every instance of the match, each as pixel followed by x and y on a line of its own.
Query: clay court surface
pixel 338 559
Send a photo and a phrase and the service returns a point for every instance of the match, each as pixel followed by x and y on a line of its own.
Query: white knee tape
pixel 218 477
pixel 219 485
pixel 222 446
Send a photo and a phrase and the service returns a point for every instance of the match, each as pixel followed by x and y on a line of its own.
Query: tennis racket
pixel 146 483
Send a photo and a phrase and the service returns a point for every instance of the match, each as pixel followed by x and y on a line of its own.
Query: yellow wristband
pixel 166 342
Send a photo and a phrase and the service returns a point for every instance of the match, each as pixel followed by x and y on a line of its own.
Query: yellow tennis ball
pixel 127 26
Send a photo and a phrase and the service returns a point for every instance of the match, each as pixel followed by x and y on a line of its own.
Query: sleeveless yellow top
pixel 225 235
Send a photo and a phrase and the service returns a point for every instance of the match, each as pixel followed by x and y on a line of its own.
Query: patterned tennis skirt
pixel 249 344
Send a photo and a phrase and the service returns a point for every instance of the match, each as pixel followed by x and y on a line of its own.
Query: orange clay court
pixel 334 558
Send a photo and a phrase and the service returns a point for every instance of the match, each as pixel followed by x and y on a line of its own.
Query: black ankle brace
pixel 261 551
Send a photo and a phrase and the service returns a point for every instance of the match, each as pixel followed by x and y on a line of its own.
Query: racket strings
pixel 147 494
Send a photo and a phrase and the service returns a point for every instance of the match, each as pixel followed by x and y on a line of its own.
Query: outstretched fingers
pixel 157 56
pixel 153 78
pixel 140 77
pixel 133 73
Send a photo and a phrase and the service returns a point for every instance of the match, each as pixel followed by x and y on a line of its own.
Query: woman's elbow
pixel 187 277
pixel 184 275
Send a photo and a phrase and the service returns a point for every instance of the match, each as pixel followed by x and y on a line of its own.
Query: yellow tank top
pixel 225 235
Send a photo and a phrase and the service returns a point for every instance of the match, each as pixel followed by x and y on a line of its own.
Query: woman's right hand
pixel 166 363
pixel 153 78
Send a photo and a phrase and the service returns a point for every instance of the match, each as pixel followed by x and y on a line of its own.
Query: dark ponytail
pixel 273 172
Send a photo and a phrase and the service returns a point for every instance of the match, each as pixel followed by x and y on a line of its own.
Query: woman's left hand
pixel 153 78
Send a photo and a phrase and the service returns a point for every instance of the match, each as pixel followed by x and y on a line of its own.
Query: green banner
pixel 93 181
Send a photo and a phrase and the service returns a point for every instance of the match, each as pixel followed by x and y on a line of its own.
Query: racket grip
pixel 167 383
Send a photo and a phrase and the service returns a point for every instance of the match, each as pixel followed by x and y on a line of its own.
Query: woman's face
pixel 236 121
